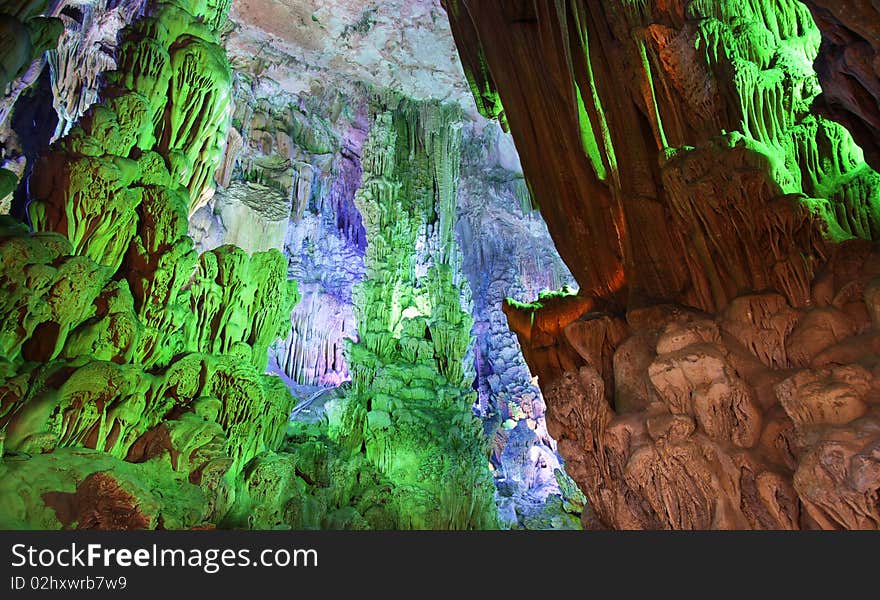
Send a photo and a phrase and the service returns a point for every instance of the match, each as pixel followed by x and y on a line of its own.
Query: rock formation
pixel 151 290
pixel 639 216
pixel 302 135
pixel 279 264
pixel 118 337
pixel 849 69
pixel 507 252
pixel 410 379
pixel 716 368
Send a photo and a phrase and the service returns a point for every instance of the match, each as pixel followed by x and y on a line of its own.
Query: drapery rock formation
pixel 85 51
pixel 716 368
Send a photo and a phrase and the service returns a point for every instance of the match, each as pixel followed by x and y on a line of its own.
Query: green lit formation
pixel 120 348
pixel 410 405
pixel 688 165
pixel 399 448
pixel 132 384
pixel 24 36
pixel 792 179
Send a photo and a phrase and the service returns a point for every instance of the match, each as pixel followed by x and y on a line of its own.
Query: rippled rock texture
pixel 763 416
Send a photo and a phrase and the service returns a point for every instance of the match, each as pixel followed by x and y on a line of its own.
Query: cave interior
pixel 439 264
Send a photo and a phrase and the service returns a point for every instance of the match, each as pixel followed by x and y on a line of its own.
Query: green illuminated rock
pixel 411 398
pixel 119 344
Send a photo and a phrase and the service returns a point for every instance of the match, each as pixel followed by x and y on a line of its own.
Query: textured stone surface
pixel 507 252
pixel 316 45
pixel 85 51
pixel 675 157
pixel 715 369
pixel 175 300
pixel 249 215
pixel 411 380
pixel 731 421
pixel 848 65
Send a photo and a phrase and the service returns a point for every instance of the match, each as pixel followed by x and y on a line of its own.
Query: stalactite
pixel 84 53
pixel 699 71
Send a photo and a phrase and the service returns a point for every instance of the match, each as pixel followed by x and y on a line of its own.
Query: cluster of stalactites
pixel 85 51
pixel 707 82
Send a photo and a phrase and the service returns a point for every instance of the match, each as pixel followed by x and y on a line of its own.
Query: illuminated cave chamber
pixel 248 218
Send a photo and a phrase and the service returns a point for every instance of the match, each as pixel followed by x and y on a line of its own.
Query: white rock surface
pixel 310 45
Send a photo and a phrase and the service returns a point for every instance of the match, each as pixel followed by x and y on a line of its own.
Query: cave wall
pixel 848 65
pixel 717 367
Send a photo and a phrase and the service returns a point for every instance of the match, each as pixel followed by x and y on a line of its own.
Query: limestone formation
pixel 726 421
pixel 410 381
pixel 281 265
pixel 698 175
pixel 131 344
